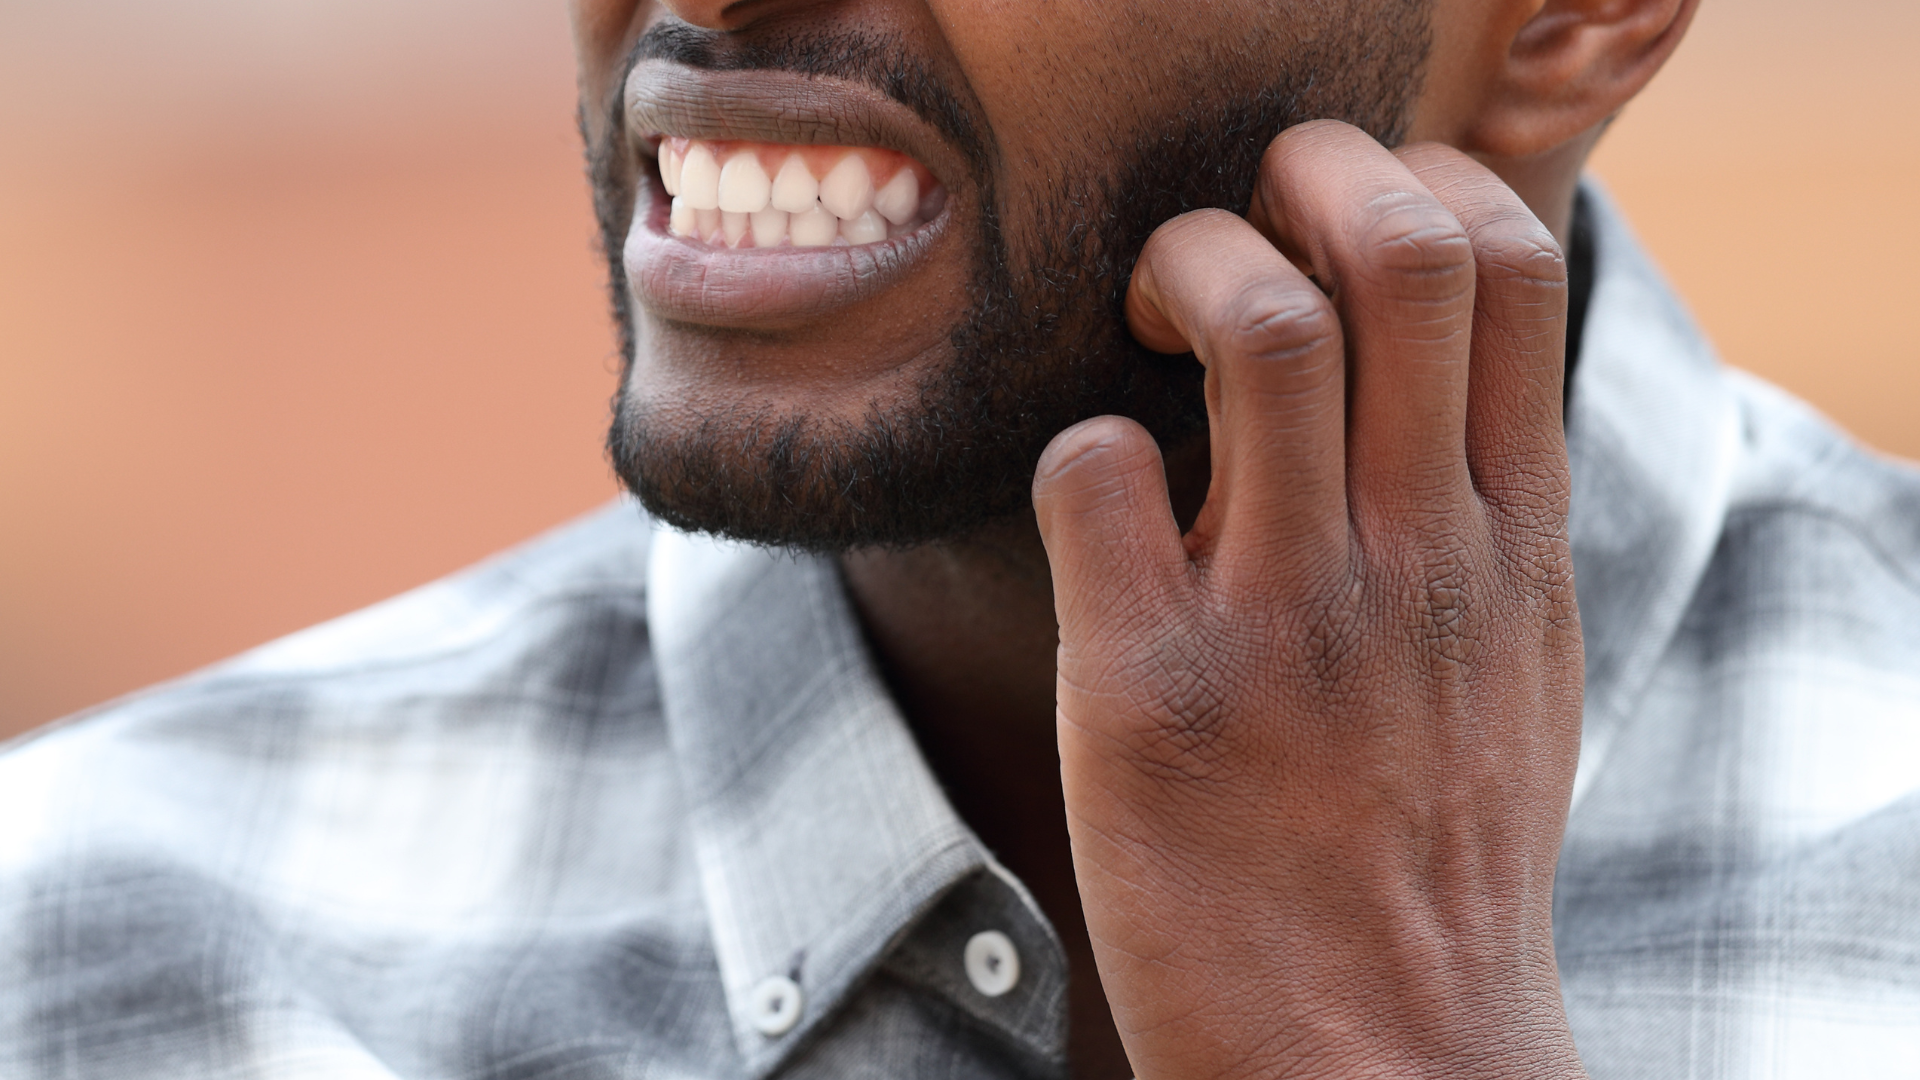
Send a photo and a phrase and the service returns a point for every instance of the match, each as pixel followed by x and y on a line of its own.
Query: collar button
pixel 993 964
pixel 775 1005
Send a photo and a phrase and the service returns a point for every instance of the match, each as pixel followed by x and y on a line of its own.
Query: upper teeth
pixel 725 193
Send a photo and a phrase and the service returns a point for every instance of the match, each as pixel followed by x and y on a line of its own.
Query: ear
pixel 1568 69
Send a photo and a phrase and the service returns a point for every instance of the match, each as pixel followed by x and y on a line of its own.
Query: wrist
pixel 1345 1014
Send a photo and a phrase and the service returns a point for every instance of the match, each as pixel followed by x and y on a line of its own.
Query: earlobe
pixel 1571 67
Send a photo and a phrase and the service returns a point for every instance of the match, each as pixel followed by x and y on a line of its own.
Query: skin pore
pixel 967 627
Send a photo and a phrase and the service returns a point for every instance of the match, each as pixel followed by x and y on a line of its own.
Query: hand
pixel 1318 752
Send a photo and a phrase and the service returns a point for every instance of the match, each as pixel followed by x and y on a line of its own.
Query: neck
pixel 964 631
pixel 965 634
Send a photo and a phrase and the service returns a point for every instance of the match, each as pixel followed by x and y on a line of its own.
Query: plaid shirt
pixel 629 803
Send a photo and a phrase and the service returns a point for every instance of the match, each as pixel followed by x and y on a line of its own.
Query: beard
pixel 1043 344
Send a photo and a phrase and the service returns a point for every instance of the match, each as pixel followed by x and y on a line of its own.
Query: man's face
pixel 896 383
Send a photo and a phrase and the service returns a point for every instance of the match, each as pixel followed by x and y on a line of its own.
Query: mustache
pixel 882 61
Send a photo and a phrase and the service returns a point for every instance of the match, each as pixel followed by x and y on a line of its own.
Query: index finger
pixel 1275 380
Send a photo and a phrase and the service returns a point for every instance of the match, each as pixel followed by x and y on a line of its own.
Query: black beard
pixel 1044 344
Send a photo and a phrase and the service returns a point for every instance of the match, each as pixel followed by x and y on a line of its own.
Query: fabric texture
pixel 565 814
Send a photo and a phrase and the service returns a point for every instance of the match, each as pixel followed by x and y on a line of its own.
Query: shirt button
pixel 775 1004
pixel 993 964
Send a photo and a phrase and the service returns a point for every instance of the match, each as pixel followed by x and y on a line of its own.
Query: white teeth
pixel 669 169
pixel 700 178
pixel 814 228
pixel 847 190
pixel 769 228
pixel 868 228
pixel 794 188
pixel 736 203
pixel 899 199
pixel 744 186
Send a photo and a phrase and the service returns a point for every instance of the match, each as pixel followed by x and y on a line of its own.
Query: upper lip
pixel 665 98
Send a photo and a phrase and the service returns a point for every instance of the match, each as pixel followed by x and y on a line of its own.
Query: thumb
pixel 1100 494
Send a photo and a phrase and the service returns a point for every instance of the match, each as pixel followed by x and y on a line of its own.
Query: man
pixel 1160 657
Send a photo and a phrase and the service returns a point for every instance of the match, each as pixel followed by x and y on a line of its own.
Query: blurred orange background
pixel 299 305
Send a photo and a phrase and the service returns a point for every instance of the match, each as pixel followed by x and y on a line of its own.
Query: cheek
pixel 1065 84
pixel 1043 73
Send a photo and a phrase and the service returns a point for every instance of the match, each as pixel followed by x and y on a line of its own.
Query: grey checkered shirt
pixel 630 803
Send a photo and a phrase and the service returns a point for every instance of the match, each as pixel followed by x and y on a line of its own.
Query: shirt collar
pixel 821 835
pixel 1654 436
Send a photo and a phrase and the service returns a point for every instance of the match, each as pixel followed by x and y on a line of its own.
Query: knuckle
pixel 1174 687
pixel 1274 322
pixel 1410 241
pixel 1530 533
pixel 1443 614
pixel 1437 597
pixel 1519 252
pixel 1332 635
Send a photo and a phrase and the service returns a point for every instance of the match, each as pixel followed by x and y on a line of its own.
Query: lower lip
pixel 760 288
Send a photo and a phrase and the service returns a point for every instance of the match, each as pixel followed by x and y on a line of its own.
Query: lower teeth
pixel 778 228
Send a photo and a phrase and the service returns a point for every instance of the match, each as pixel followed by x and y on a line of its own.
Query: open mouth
pixel 782 200
pixel 739 194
